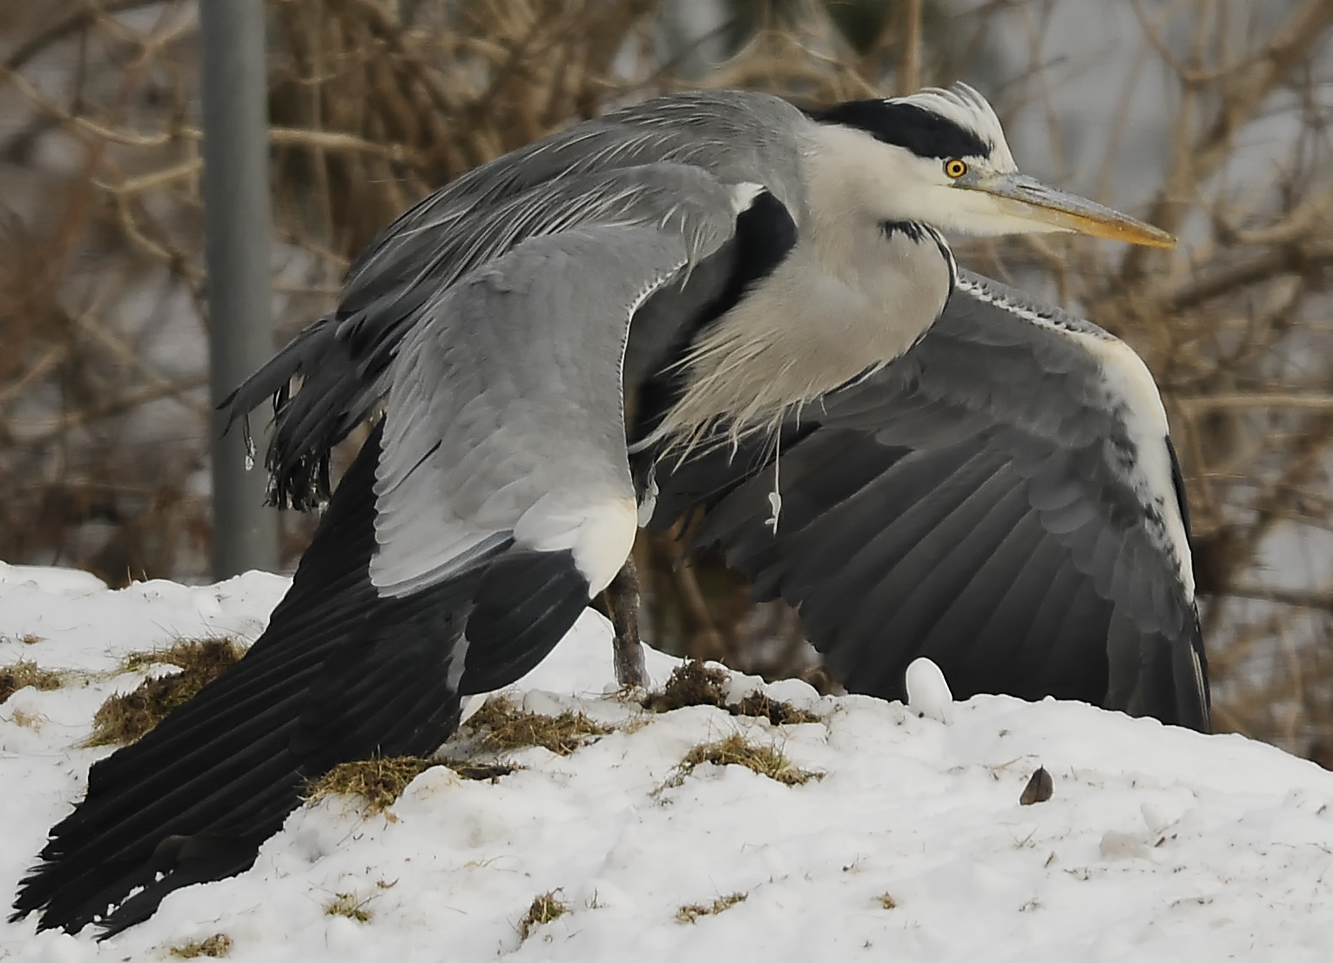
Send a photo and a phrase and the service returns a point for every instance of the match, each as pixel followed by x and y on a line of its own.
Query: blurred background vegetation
pixel 1210 118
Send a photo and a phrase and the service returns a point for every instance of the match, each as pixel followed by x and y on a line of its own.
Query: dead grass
pixel 692 912
pixel 193 655
pixel 346 904
pixel 502 725
pixel 378 781
pixel 694 683
pixel 887 901
pixel 774 710
pixel 24 673
pixel 735 750
pixel 26 639
pixel 480 771
pixel 127 717
pixel 217 945
pixel 544 909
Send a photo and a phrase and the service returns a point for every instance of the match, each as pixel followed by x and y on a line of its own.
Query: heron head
pixel 945 162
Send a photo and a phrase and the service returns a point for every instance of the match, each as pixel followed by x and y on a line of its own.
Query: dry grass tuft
pixel 774 710
pixel 480 771
pixel 346 904
pixel 503 725
pixel 126 717
pixel 209 655
pixel 26 639
pixel 691 684
pixel 544 909
pixel 887 901
pixel 379 780
pixel 217 945
pixel 24 673
pixel 736 751
pixel 691 913
pixel 695 684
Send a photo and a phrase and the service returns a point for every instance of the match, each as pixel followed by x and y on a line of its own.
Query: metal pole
pixel 237 223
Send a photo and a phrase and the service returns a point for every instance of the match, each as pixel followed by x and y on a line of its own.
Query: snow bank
pixel 1158 844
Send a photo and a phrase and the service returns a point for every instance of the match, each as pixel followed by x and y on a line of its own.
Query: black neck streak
pixel 765 234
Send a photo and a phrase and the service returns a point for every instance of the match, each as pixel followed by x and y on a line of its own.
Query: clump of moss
pixel 736 751
pixel 379 780
pixel 544 909
pixel 691 684
pixel 24 673
pixel 689 914
pixel 346 904
pixel 217 945
pixel 502 726
pixel 774 710
pixel 127 717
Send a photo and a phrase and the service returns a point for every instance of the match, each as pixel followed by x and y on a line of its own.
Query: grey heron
pixel 732 256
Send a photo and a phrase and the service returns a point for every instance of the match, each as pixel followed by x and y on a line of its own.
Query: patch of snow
pixel 1158 843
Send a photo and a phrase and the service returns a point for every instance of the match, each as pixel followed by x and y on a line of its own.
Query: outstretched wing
pixel 1002 499
pixel 593 172
pixel 489 504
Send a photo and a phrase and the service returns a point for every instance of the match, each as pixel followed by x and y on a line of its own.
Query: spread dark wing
pixel 1003 499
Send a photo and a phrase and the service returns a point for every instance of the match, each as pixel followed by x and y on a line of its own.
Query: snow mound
pixel 910 844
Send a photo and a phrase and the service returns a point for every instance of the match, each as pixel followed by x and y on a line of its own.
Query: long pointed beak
pixel 1030 199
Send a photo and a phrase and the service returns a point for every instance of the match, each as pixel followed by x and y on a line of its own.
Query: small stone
pixel 1039 788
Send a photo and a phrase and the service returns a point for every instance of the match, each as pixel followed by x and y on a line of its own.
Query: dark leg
pixel 621 604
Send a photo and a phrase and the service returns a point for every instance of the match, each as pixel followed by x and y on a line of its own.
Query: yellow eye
pixel 955 168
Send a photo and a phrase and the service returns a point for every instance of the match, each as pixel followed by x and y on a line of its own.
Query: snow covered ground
pixel 1158 844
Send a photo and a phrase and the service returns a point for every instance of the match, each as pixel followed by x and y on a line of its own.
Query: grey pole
pixel 237 224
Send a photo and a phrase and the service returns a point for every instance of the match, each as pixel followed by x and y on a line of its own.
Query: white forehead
pixel 964 106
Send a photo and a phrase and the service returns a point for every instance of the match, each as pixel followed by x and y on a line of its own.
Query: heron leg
pixel 620 600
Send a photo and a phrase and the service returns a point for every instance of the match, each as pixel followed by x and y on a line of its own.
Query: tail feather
pixel 341 673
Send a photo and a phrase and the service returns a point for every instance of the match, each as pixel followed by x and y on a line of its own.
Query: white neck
pixel 848 297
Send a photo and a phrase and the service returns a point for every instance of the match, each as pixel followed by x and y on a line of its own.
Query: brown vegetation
pixel 503 726
pixel 24 673
pixel 544 909
pixel 216 946
pixel 692 912
pixel 736 750
pixel 695 683
pixel 377 781
pixel 127 717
